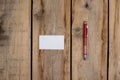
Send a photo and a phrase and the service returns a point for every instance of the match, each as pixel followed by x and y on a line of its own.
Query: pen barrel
pixel 85 27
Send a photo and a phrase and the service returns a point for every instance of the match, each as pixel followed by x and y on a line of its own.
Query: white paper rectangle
pixel 51 42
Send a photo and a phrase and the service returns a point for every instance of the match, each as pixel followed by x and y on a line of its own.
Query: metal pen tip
pixel 85 57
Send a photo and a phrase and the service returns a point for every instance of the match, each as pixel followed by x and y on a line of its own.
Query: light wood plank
pixel 15 39
pixel 114 40
pixel 95 12
pixel 51 17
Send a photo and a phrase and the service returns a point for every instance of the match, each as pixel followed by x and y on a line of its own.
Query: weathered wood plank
pixel 15 39
pixel 95 12
pixel 51 17
pixel 114 40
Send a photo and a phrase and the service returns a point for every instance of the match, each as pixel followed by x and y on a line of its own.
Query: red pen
pixel 85 33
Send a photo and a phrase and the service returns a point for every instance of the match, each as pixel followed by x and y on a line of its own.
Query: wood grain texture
pixel 51 17
pixel 95 12
pixel 114 40
pixel 15 40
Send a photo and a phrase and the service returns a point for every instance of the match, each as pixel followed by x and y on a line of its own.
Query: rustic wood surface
pixel 95 12
pixel 114 40
pixel 15 40
pixel 51 17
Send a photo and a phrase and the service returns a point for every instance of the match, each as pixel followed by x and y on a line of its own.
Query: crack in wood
pixel 78 32
pixel 86 5
pixel 2 31
pixel 40 14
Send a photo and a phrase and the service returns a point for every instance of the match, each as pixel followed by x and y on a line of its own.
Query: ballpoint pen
pixel 85 34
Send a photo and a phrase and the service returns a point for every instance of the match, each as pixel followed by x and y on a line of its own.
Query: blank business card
pixel 51 42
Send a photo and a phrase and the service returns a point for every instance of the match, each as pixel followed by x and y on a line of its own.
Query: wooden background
pixel 15 39
pixel 114 40
pixel 51 17
pixel 58 17
pixel 96 13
